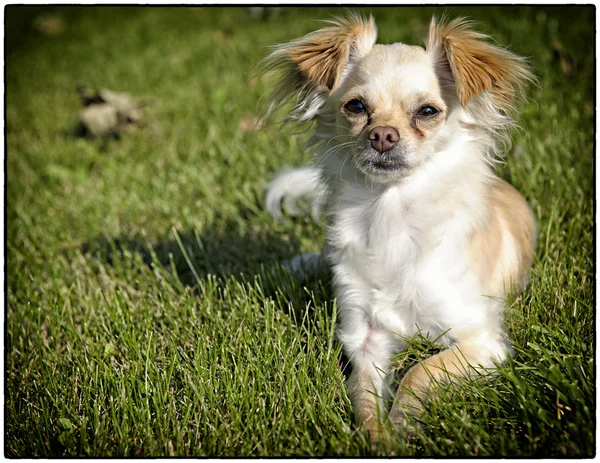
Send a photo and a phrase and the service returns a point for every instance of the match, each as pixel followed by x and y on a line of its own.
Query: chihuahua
pixel 422 238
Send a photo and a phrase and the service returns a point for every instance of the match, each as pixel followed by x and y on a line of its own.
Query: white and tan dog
pixel 422 236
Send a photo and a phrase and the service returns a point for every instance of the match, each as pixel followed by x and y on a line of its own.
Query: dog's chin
pixel 384 166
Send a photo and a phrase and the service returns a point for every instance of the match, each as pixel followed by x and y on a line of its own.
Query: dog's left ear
pixel 474 65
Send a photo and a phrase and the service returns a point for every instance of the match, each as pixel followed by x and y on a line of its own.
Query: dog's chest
pixel 392 251
pixel 383 237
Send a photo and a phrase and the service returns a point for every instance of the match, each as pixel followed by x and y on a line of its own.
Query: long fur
pixel 431 245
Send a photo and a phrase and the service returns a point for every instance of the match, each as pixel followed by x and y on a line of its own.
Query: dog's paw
pixel 292 185
pixel 404 422
pixel 406 426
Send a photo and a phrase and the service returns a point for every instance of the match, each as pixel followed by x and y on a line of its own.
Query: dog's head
pixel 393 107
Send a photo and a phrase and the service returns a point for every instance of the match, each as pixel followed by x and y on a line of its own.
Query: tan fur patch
pixel 503 250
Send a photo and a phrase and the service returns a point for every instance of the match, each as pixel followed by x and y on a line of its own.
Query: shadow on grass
pixel 225 253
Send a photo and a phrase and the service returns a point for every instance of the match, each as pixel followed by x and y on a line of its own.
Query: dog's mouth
pixel 385 166
pixel 386 163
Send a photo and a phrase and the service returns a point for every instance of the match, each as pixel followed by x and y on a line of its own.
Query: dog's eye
pixel 427 111
pixel 355 106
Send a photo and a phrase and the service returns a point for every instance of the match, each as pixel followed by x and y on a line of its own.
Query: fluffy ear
pixel 321 56
pixel 313 64
pixel 475 64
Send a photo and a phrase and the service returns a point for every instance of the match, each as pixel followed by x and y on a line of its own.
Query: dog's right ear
pixel 316 61
pixel 320 57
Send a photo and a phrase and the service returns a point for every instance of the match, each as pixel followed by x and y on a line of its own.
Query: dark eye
pixel 427 111
pixel 355 106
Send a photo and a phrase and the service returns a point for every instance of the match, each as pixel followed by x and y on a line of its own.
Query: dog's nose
pixel 383 138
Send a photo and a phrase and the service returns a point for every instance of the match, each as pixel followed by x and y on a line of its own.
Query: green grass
pixel 145 315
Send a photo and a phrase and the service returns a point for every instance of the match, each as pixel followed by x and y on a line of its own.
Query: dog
pixel 423 238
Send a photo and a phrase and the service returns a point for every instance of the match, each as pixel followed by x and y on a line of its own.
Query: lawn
pixel 145 311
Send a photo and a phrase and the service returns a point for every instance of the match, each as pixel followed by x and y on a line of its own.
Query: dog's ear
pixel 474 65
pixel 320 57
pixel 311 67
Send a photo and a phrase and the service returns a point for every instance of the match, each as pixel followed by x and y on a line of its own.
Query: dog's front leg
pixel 470 356
pixel 369 349
pixel 365 389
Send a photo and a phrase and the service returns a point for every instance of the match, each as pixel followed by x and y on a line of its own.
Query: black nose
pixel 383 138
